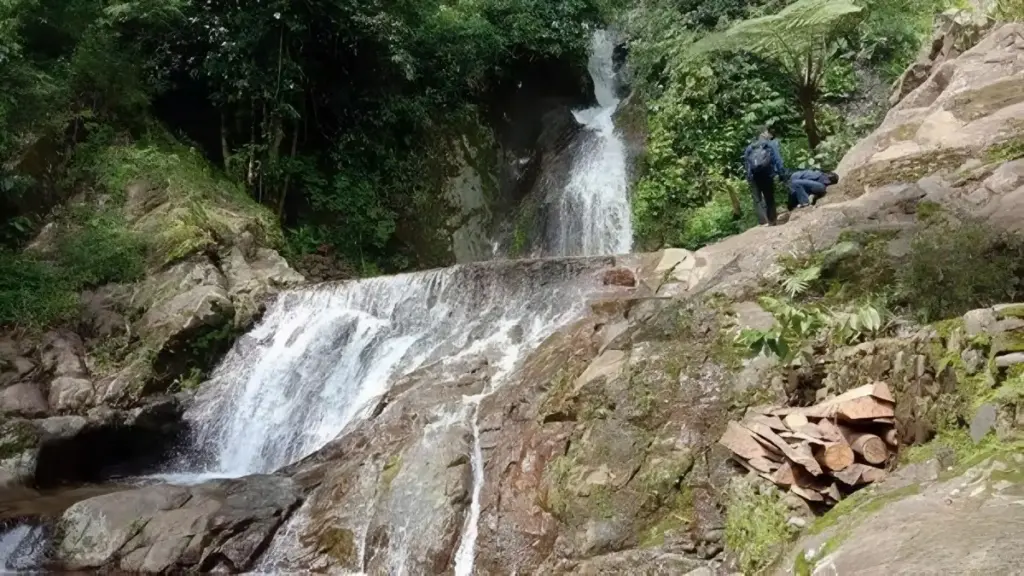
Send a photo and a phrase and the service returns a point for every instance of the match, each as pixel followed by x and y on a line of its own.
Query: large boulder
pixel 591 456
pixel 954 32
pixel 50 451
pixel 961 123
pixel 917 523
pixel 219 526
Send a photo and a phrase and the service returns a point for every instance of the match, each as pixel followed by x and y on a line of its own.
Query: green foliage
pixel 755 526
pixel 797 328
pixel 1009 10
pixel 1007 151
pixel 717 219
pixel 892 31
pixel 956 267
pixel 33 292
pixel 100 251
pixel 38 291
pixel 697 127
pixel 702 112
pixel 203 204
pixel 337 116
pixel 802 39
pixel 799 281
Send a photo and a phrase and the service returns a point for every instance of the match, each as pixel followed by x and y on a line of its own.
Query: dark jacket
pixel 814 181
pixel 778 169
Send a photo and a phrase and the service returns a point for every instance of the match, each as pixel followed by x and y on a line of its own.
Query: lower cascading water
pixel 322 354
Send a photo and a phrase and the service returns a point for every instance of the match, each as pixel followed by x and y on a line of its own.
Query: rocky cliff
pixel 598 455
pixel 105 386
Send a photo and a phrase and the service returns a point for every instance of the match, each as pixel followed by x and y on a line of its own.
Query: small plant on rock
pixel 797 328
pixel 755 525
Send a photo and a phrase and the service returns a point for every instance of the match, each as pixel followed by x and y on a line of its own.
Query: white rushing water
pixel 22 547
pixel 594 213
pixel 322 354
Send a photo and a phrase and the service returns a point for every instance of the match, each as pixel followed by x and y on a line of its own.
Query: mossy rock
pixel 905 170
pixel 391 469
pixel 1010 311
pixel 335 542
pixel 18 437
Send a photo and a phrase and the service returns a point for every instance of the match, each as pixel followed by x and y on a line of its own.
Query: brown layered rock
pixel 594 460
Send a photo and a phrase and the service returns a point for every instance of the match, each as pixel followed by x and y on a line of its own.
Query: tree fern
pixel 802 39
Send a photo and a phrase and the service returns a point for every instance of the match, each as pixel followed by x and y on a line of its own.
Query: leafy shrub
pixel 797 328
pixel 955 267
pixel 717 219
pixel 1009 10
pixel 33 292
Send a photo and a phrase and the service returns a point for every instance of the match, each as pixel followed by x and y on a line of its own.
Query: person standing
pixel 763 162
pixel 807 186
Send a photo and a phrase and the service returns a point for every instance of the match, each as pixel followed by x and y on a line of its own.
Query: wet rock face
pixel 394 489
pixel 218 526
pixel 593 460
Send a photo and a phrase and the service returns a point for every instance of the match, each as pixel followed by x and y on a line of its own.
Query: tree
pixel 803 39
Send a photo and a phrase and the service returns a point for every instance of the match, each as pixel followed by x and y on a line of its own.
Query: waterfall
pixel 593 210
pixel 322 354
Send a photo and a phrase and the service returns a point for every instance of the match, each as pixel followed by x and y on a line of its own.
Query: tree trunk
pixel 250 172
pixel 225 150
pixel 807 96
pixel 288 176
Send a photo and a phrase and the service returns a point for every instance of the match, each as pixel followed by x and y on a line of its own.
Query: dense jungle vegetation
pixel 328 113
pixel 326 110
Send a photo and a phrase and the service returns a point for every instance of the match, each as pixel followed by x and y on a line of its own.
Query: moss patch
pixel 1006 151
pixel 1012 311
pixel 904 170
pixel 16 437
pixel 202 206
pixel 755 526
pixel 678 516
pixel 391 469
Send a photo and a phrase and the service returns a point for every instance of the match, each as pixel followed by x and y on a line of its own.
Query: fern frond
pixel 798 282
pixel 787 35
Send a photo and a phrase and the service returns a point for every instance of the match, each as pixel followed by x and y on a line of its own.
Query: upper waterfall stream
pixel 593 212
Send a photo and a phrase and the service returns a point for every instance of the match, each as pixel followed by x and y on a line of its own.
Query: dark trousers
pixel 762 189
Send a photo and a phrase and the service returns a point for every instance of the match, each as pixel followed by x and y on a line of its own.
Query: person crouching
pixel 807 186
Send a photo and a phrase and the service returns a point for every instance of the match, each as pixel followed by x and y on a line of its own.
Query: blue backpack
pixel 760 158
